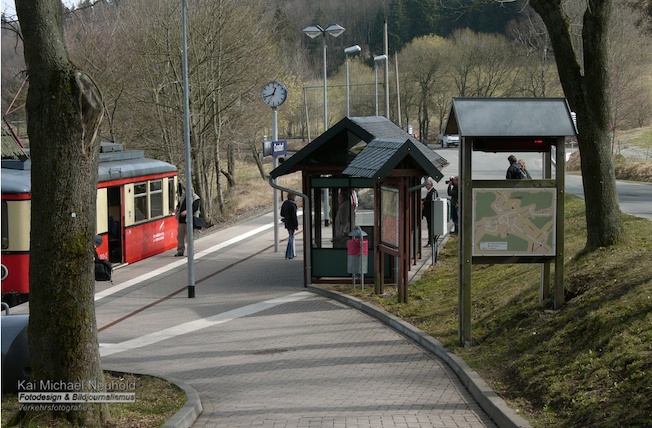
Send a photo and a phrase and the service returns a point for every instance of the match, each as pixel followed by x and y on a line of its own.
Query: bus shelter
pixel 511 221
pixel 366 172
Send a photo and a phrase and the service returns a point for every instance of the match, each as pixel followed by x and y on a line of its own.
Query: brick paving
pixel 262 351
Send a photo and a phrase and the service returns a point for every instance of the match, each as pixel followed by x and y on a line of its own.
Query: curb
pixel 487 398
pixel 188 414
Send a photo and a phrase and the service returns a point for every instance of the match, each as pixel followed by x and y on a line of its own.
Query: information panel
pixel 514 222
pixel 389 216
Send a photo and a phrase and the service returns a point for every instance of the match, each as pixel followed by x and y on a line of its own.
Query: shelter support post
pixel 379 274
pixel 466 244
pixel 404 242
pixel 560 163
pixel 544 289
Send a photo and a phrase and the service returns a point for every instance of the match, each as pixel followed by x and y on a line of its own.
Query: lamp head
pixel 352 50
pixel 313 31
pixel 334 30
pixel 380 58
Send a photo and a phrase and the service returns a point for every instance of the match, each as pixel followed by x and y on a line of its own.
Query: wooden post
pixel 544 289
pixel 559 256
pixel 379 275
pixel 465 243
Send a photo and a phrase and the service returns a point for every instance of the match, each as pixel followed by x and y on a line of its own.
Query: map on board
pixel 518 222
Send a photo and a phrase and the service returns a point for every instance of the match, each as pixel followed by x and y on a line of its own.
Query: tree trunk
pixel 230 164
pixel 64 112
pixel 588 97
pixel 254 152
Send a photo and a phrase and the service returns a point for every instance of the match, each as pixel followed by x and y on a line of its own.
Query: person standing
pixel 527 174
pixel 289 217
pixel 342 224
pixel 514 172
pixel 453 192
pixel 181 212
pixel 427 208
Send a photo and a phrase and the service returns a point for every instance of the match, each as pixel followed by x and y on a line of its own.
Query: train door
pixel 115 223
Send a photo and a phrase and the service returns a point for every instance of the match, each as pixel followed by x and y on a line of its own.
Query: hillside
pixel 588 364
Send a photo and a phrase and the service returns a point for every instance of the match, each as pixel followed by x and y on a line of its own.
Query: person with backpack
pixel 515 171
pixel 103 268
pixel 291 221
pixel 181 213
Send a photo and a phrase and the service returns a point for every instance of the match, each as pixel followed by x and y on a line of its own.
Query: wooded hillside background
pixel 441 49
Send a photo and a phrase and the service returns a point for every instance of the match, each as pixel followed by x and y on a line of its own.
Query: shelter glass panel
pixel 348 207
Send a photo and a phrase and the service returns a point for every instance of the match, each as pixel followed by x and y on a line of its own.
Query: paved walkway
pixel 254 348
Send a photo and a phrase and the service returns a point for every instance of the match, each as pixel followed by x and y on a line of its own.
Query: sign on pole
pixel 279 148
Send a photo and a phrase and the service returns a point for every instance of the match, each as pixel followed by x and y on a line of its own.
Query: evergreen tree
pixel 376 36
pixel 398 25
pixel 423 16
pixel 492 17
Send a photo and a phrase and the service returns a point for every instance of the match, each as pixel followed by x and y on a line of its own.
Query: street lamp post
pixel 349 51
pixel 186 138
pixel 376 60
pixel 312 32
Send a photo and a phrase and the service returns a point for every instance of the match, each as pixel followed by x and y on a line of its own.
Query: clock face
pixel 274 94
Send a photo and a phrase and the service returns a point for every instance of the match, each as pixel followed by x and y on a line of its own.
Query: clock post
pixel 274 94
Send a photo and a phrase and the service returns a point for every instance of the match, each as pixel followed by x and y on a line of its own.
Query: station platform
pixel 255 348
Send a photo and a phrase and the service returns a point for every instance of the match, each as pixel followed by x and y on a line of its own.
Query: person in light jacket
pixel 427 208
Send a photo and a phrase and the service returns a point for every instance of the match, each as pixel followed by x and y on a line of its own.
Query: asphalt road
pixel 635 198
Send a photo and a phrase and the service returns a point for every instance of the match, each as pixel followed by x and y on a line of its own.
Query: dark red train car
pixel 136 198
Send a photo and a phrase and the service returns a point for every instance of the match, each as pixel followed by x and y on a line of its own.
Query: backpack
pixel 283 210
pixel 103 270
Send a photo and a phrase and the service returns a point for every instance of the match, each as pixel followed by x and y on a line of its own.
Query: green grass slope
pixel 588 364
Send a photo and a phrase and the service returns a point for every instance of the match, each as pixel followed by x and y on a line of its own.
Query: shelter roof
pixel 510 117
pixel 365 147
pixel 381 156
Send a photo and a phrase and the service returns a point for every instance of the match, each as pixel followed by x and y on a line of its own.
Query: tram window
pixel 140 201
pixel 171 197
pixel 156 198
pixel 5 226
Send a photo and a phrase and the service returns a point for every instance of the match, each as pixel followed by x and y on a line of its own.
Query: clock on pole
pixel 274 94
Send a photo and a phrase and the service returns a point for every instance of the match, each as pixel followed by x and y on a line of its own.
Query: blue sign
pixel 279 148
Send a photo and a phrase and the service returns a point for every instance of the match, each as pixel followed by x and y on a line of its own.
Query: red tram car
pixel 135 213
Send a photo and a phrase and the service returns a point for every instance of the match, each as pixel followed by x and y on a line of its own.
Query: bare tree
pixel 425 63
pixel 483 64
pixel 64 112
pixel 629 55
pixel 584 77
pixel 537 75
pixel 89 37
pixel 231 53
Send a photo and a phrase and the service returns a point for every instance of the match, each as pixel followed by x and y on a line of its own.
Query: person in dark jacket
pixel 427 208
pixel 289 217
pixel 453 191
pixel 181 212
pixel 514 172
